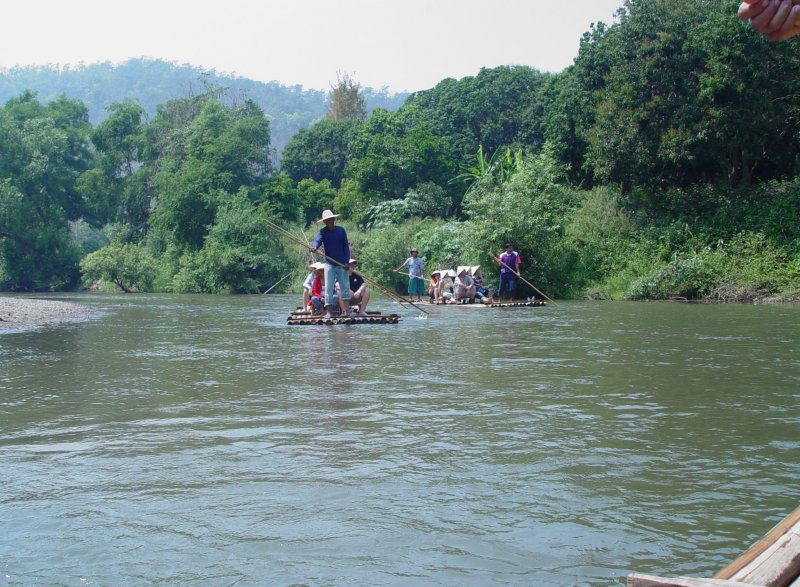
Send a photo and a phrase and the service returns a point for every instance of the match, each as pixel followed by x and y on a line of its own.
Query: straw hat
pixel 326 214
pixel 448 273
pixel 437 272
pixel 317 265
pixel 474 269
pixel 462 269
pixel 352 261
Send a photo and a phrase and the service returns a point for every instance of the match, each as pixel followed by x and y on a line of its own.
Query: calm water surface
pixel 199 440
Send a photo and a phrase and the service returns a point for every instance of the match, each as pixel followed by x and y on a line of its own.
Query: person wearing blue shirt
pixel 416 282
pixel 337 256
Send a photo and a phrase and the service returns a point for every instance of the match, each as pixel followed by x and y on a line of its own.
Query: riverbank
pixel 18 313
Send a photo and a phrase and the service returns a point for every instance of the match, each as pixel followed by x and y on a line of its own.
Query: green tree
pixel 314 197
pixel 107 186
pixel 43 150
pixel 390 158
pixel 240 255
pixel 201 150
pixel 128 266
pixel 496 108
pixel 685 99
pixel 321 151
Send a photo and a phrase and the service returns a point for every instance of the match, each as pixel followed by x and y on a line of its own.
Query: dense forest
pixel 662 164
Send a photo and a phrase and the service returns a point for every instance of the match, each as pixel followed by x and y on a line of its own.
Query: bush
pixel 124 265
pixel 689 278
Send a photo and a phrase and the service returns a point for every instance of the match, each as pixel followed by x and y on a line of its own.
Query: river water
pixel 199 440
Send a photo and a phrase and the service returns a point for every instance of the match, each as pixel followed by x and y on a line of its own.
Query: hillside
pixel 154 82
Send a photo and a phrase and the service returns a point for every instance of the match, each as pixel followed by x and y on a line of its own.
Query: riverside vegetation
pixel 662 164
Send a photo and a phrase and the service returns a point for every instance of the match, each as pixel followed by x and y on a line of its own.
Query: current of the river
pixel 199 440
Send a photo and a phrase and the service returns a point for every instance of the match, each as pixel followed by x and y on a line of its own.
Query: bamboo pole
pixel 409 275
pixel 279 281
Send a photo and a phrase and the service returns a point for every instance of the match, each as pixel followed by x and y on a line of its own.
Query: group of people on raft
pixel 464 285
pixel 335 282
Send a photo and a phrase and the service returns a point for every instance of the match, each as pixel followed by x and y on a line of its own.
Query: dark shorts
pixel 508 283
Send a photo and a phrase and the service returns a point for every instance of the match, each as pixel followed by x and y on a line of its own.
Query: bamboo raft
pixel 526 304
pixel 305 318
pixel 773 561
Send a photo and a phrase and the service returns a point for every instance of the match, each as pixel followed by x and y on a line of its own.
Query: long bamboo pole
pixel 297 241
pixel 281 279
pixel 523 279
pixel 409 275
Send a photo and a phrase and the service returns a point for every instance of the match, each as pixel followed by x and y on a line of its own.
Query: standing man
pixel 337 256
pixel 416 284
pixel 509 262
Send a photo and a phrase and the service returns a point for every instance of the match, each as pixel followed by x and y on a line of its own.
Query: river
pixel 200 440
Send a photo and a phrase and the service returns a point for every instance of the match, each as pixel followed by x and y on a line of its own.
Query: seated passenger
pixel 316 301
pixel 446 286
pixel 484 294
pixel 308 283
pixel 359 292
pixel 433 287
pixel 464 286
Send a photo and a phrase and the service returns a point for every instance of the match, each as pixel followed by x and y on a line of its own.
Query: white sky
pixel 407 45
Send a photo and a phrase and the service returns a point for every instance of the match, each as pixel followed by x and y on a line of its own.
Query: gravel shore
pixel 16 313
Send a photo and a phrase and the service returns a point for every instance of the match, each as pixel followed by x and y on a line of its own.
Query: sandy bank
pixel 28 312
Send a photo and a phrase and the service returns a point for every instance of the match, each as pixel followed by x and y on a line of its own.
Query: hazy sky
pixel 406 45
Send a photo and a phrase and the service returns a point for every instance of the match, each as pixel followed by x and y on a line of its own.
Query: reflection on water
pixel 198 439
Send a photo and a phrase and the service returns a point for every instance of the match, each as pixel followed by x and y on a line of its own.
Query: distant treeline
pixel 662 164
pixel 152 82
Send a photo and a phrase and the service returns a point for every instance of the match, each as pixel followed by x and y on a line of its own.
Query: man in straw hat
pixel 337 256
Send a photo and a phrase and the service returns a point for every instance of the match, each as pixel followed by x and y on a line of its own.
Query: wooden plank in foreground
pixel 773 561
pixel 637 580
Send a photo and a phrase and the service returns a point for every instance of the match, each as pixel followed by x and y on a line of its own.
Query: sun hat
pixel 474 269
pixel 437 272
pixel 462 269
pixel 317 265
pixel 414 251
pixel 448 273
pixel 326 214
pixel 351 261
